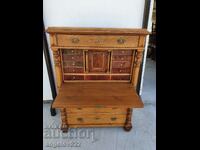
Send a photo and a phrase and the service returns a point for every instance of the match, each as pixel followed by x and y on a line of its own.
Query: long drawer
pixel 97 40
pixel 96 119
pixel 97 109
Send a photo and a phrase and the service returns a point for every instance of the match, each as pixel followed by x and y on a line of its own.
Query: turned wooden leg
pixel 64 126
pixel 53 111
pixel 128 125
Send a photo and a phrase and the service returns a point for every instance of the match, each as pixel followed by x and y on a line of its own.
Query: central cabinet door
pixel 98 61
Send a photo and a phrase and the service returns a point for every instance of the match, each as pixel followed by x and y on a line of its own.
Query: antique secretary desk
pixel 96 73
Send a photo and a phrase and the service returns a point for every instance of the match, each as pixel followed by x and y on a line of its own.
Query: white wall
pixel 47 95
pixel 92 13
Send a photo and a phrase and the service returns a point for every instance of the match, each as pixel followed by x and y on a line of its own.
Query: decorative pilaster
pixel 58 69
pixel 64 125
pixel 128 125
pixel 136 68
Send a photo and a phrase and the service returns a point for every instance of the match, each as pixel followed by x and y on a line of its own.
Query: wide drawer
pixel 96 119
pixel 100 40
pixel 97 109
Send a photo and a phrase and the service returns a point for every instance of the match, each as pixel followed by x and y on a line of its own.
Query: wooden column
pixel 58 69
pixel 128 125
pixel 136 68
pixel 64 125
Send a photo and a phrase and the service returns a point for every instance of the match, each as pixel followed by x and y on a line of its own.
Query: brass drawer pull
pixel 97 118
pixel 79 108
pixel 75 40
pixel 121 41
pixel 80 119
pixel 113 118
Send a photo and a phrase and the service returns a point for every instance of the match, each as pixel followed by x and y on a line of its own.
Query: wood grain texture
pixel 94 94
pixel 97 41
pixel 99 68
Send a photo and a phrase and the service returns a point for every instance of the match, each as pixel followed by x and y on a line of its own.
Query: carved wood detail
pixel 64 125
pixel 128 124
pixel 58 67
pixel 137 63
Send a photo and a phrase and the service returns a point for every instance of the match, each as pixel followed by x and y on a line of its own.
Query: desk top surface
pixel 76 30
pixel 94 94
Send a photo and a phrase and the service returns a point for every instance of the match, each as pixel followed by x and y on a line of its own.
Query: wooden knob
pixel 74 77
pixel 80 119
pixel 113 118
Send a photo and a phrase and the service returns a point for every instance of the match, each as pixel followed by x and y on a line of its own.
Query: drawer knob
pixel 121 41
pixel 113 118
pixel 80 119
pixel 74 77
pixel 75 40
pixel 79 108
pixel 97 118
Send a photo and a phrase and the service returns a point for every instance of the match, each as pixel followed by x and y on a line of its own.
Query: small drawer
pixel 122 52
pixel 73 63
pixel 72 52
pixel 73 70
pixel 72 57
pixel 121 58
pixel 97 77
pixel 121 70
pixel 73 77
pixel 120 77
pixel 121 64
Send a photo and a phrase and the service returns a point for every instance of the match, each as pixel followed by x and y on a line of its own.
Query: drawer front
pixel 97 77
pixel 72 57
pixel 98 109
pixel 122 58
pixel 120 77
pixel 73 77
pixel 72 52
pixel 122 52
pixel 73 63
pixel 97 40
pixel 121 64
pixel 96 119
pixel 121 70
pixel 73 70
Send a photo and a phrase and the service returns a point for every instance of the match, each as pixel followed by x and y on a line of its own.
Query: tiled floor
pixel 141 137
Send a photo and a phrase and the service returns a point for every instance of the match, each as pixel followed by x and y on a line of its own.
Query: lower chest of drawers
pixel 96 116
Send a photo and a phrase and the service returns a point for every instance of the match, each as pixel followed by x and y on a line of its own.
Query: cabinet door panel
pixel 98 61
